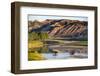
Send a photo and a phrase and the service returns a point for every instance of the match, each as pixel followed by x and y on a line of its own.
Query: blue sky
pixel 43 17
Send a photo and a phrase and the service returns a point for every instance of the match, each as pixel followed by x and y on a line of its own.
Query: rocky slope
pixel 60 28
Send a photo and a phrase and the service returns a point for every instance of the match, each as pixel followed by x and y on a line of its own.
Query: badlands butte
pixel 60 28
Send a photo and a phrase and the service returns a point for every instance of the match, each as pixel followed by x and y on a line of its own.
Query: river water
pixel 63 56
pixel 59 51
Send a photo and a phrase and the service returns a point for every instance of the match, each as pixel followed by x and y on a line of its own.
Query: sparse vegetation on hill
pixel 60 28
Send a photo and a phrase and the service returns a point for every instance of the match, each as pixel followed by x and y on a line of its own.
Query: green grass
pixel 74 43
pixel 82 43
pixel 79 43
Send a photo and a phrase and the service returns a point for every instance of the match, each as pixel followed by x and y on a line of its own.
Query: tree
pixel 33 36
pixel 43 35
pixel 37 36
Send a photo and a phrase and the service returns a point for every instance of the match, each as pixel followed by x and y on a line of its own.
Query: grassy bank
pixel 67 42
pixel 84 43
pixel 32 53
pixel 35 56
pixel 35 44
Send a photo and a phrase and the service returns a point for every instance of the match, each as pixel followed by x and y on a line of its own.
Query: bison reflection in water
pixel 72 52
pixel 55 53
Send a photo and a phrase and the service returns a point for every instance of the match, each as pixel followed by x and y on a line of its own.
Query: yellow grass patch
pixel 35 56
pixel 35 44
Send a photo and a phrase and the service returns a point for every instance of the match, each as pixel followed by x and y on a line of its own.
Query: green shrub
pixel 37 36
